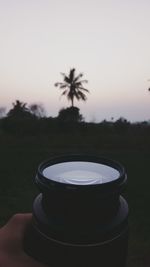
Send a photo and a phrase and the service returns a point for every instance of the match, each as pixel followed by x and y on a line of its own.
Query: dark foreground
pixel 20 156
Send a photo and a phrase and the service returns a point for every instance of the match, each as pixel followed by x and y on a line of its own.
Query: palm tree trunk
pixel 72 102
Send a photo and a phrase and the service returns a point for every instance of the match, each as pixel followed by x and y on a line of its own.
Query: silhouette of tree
pixel 19 110
pixel 73 87
pixel 37 110
pixel 70 114
pixel 20 120
pixel 121 125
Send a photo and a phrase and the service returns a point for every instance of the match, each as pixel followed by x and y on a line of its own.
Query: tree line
pixel 23 118
pixel 72 87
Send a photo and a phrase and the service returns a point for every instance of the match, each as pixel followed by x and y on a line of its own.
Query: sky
pixel 107 40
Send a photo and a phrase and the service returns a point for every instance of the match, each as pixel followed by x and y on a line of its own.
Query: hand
pixel 11 243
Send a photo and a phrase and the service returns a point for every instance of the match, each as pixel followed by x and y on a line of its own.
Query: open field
pixel 20 156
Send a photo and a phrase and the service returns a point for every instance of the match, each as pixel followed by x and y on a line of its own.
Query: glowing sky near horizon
pixel 107 40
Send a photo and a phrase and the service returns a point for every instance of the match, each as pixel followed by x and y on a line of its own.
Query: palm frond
pixel 84 89
pixel 64 92
pixel 77 84
pixel 63 86
pixel 78 77
pixel 66 79
pixel 82 96
pixel 76 95
pixel 84 81
pixel 57 84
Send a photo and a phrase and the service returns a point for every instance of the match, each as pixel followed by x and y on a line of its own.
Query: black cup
pixel 79 218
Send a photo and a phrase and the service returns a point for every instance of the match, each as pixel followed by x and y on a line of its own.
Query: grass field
pixel 20 156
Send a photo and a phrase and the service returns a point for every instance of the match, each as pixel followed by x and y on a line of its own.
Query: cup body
pixel 76 224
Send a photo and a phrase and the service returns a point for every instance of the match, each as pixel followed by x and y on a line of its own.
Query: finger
pixel 17 225
pixel 12 234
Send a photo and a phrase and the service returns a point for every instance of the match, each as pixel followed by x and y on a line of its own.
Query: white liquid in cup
pixel 81 173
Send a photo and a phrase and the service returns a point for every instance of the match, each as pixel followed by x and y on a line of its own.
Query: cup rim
pixel 45 183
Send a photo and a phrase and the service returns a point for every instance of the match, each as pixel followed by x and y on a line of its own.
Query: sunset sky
pixel 107 40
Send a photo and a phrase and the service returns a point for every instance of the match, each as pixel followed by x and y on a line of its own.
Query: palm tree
pixel 73 87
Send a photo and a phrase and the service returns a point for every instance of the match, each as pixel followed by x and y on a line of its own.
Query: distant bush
pixel 121 125
pixel 70 114
pixel 19 111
